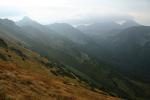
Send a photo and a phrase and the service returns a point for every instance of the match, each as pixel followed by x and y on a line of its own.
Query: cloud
pixel 75 11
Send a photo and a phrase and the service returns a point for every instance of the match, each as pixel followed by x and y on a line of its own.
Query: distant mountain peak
pixel 26 18
pixel 26 21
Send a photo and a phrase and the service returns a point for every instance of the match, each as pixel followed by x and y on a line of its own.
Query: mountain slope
pixel 69 32
pixel 131 48
pixel 26 75
pixel 81 41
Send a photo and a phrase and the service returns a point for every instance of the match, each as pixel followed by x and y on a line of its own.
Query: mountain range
pixel 107 56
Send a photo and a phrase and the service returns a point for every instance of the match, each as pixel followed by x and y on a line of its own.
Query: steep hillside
pixel 25 75
pixel 82 42
pixel 130 49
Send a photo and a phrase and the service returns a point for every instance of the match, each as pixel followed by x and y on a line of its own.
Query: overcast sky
pixel 76 11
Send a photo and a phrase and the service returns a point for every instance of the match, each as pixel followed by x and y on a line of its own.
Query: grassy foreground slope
pixel 25 75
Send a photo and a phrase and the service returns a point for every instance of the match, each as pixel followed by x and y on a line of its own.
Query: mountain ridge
pixel 92 61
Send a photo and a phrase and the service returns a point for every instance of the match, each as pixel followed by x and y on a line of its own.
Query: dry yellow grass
pixel 17 83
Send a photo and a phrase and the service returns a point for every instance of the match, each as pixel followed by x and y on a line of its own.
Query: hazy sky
pixel 76 11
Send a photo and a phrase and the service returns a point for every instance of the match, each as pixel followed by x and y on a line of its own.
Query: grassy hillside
pixel 25 75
